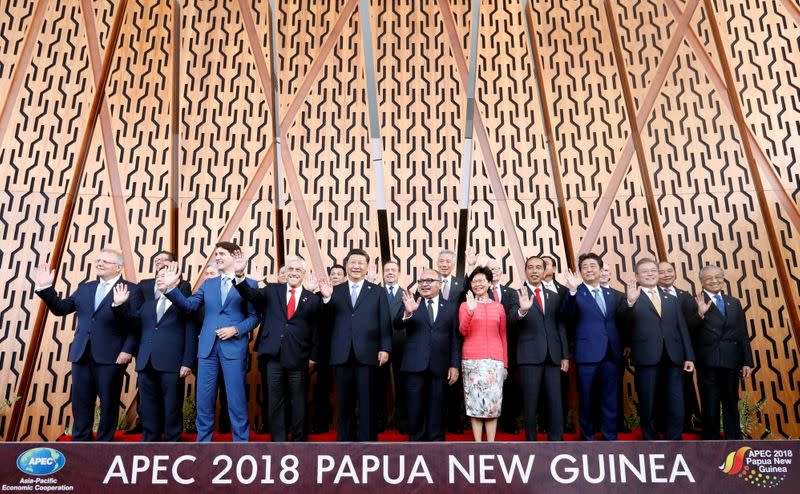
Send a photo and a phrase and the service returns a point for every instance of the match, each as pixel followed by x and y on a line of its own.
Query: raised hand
pixel 239 263
pixel 172 275
pixel 42 275
pixel 472 256
pixel 472 302
pixel 311 284
pixel 121 293
pixel 372 274
pixel 409 303
pixel 525 301
pixel 633 291
pixel 572 280
pixel 325 286
pixel 702 305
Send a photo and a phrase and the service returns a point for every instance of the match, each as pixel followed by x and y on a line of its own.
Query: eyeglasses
pixel 427 281
pixel 103 261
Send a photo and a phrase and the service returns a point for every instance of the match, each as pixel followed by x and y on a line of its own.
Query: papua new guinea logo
pixel 41 461
pixel 758 467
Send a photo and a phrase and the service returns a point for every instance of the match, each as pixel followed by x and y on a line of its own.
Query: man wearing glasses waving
pixel 103 345
pixel 432 357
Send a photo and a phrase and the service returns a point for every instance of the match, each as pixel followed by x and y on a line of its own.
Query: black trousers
pixel 647 383
pixel 541 380
pixel 426 409
pixel 287 393
pixel 355 386
pixel 161 399
pixel 91 380
pixel 719 387
pixel 263 374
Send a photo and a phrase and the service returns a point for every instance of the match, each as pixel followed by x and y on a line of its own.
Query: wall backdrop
pixel 660 128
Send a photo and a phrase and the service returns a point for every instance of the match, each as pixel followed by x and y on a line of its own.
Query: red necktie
pixel 290 305
pixel 537 294
pixel 496 294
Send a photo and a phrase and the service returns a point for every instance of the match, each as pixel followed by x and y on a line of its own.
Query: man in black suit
pixel 433 357
pixel 166 355
pixel 542 353
pixel 511 391
pixel 723 351
pixel 289 341
pixel 666 282
pixel 361 340
pixel 103 345
pixel 390 374
pixel 660 345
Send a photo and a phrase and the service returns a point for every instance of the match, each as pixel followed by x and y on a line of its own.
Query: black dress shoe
pixel 137 429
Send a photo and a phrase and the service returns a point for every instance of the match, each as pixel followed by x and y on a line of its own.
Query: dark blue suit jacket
pixel 109 333
pixel 233 311
pixel 434 346
pixel 650 334
pixel 539 334
pixel 366 328
pixel 293 341
pixel 722 340
pixel 169 343
pixel 594 332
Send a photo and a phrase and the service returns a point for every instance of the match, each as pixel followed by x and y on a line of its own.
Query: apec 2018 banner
pixel 724 466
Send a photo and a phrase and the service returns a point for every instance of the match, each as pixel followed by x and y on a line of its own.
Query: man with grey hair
pixel 290 341
pixel 103 345
pixel 723 351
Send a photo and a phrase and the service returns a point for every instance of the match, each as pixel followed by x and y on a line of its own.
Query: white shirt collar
pixel 112 281
pixel 297 291
pixel 711 295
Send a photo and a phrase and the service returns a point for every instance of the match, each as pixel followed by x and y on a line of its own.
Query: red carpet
pixel 390 436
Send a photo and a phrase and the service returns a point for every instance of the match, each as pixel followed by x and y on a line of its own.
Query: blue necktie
pixel 598 297
pixel 391 294
pixel 225 286
pixel 719 303
pixel 100 294
pixel 354 295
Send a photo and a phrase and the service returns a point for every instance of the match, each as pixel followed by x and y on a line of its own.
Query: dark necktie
pixel 391 294
pixel 719 303
pixel 430 309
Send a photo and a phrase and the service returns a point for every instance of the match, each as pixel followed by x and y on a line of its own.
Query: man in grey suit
pixel 390 376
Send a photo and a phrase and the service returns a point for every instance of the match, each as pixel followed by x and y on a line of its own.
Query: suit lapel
pixel 583 289
pixel 109 294
pixel 364 287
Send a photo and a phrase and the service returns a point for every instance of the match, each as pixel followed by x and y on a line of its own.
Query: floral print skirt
pixel 483 387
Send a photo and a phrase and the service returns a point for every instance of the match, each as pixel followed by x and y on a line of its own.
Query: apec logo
pixel 41 461
pixel 758 467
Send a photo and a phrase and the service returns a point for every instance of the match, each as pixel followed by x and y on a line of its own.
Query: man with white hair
pixel 103 346
pixel 289 340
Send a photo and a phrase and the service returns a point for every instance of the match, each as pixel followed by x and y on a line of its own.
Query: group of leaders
pixel 454 347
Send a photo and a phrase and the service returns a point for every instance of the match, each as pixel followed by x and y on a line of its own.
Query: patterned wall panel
pixel 704 190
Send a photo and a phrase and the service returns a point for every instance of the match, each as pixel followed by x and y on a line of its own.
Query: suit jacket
pixel 293 341
pixel 169 343
pixel 396 307
pixel 457 288
pixel 722 340
pixel 435 346
pixel 109 333
pixel 540 334
pixel 233 311
pixel 651 333
pixel 366 328
pixel 595 331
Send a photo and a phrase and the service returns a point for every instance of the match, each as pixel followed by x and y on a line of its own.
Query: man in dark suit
pixel 666 282
pixel 390 374
pixel 361 340
pixel 542 353
pixel 723 351
pixel 452 289
pixel 166 355
pixel 103 345
pixel 660 345
pixel 595 313
pixel 605 282
pixel 289 342
pixel 509 298
pixel 227 320
pixel 433 357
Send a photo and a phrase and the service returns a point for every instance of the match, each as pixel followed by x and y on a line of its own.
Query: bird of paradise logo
pixel 735 465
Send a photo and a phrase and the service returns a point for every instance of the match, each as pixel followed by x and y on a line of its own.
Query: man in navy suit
pixel 595 312
pixel 289 343
pixel 660 345
pixel 393 375
pixel 166 355
pixel 433 357
pixel 542 352
pixel 723 351
pixel 103 345
pixel 227 320
pixel 361 339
